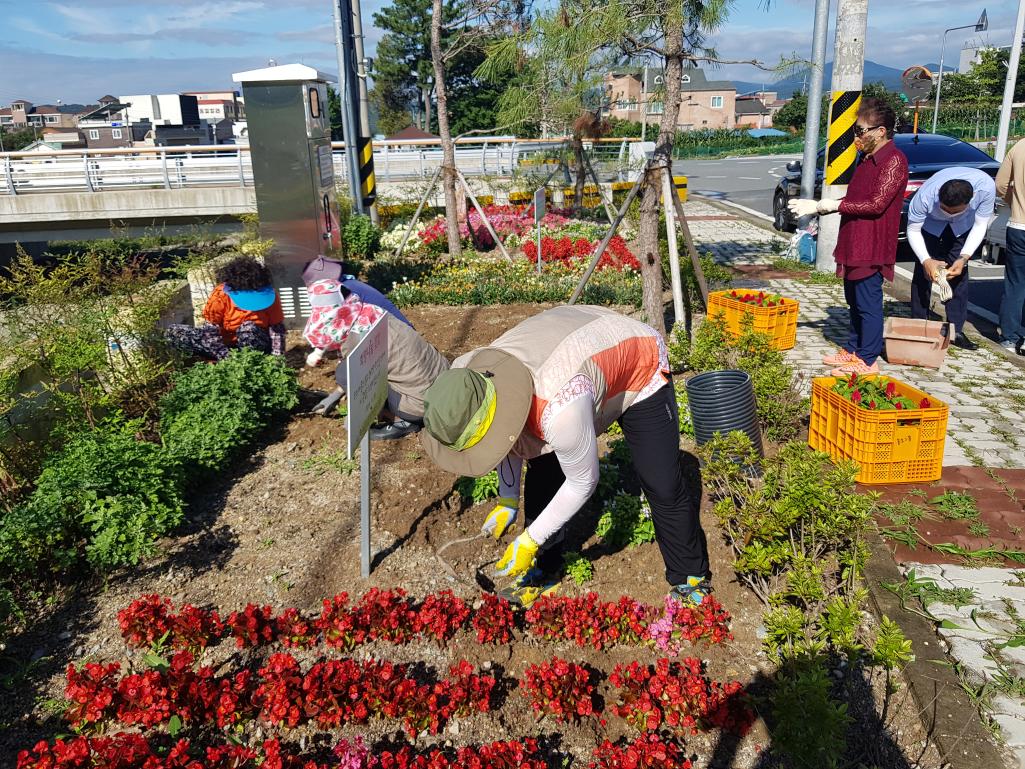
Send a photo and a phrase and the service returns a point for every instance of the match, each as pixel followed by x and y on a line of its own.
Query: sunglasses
pixel 859 130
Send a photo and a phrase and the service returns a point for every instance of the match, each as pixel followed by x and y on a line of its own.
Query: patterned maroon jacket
pixel 870 215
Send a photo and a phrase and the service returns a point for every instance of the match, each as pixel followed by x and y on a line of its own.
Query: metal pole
pixel 939 84
pixel 361 80
pixel 814 118
pixel 848 73
pixel 538 246
pixel 346 72
pixel 1009 85
pixel 364 505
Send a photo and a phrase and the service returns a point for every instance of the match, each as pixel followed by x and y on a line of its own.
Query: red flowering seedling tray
pixel 890 446
pixel 778 322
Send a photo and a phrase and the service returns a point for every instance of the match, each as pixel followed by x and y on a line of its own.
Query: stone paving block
pixel 978 669
pixel 990 583
pixel 1012 730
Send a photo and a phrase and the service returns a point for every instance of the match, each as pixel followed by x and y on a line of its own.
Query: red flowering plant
pixel 295 631
pixel 441 616
pixel 570 252
pixel 757 298
pixel 588 621
pixel 280 692
pixel 386 615
pixel 493 621
pixel 876 394
pixel 649 751
pixel 117 751
pixel 253 626
pixel 91 691
pixel 681 623
pixel 151 620
pixel 678 697
pixel 338 624
pixel 559 688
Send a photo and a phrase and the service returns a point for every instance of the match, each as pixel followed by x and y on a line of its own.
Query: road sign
pixel 367 370
pixel 916 82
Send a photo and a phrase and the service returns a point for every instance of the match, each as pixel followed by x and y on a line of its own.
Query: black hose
pixel 721 402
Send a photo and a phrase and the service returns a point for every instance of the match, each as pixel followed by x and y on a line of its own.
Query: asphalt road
pixel 750 182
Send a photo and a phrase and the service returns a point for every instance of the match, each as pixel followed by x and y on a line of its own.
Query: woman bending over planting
pixel 242 311
pixel 542 393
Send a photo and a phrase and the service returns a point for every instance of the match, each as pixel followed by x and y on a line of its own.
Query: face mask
pixel 944 216
pixel 865 144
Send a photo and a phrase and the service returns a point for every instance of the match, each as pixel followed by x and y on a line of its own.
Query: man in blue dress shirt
pixel 947 220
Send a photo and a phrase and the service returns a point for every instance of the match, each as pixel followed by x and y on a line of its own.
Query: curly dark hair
pixel 243 273
pixel 878 112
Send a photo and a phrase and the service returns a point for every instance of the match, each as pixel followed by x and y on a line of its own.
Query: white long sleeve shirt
pixel 568 426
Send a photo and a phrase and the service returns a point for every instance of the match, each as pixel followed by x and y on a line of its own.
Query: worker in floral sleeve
pixel 866 246
pixel 338 318
pixel 243 311
pixel 541 394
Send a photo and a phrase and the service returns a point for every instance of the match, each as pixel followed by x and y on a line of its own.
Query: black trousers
pixel 651 429
pixel 945 248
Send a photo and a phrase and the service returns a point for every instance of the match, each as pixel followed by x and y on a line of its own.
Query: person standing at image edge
pixel 1011 187
pixel 947 220
pixel 866 247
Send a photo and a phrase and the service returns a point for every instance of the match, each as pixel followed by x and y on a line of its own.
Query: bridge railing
pixel 229 165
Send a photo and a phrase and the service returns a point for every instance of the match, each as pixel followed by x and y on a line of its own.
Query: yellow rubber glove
pixel 519 556
pixel 501 518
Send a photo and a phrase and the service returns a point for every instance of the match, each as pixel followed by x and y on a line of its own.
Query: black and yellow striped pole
pixel 367 184
pixel 841 155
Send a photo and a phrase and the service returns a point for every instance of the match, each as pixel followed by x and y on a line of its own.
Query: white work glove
pixel 828 206
pixel 943 287
pixel 314 358
pixel 802 207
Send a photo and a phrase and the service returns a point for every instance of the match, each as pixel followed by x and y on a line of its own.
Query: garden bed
pixel 282 529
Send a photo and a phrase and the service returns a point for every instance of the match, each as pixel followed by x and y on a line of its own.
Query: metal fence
pixel 225 166
pixel 975 124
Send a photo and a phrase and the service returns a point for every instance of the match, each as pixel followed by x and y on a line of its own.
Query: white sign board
pixel 367 370
pixel 539 205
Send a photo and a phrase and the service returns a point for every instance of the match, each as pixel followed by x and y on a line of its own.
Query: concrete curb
pixel 946 712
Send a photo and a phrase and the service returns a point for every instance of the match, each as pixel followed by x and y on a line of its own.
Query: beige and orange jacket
pixel 1011 181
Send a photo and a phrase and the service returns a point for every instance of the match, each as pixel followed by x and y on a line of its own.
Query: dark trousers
pixel 651 429
pixel 1012 304
pixel 945 248
pixel 205 341
pixel 865 299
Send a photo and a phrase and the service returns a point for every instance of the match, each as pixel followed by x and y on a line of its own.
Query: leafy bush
pixel 578 567
pixel 798 536
pixel 781 407
pixel 809 726
pixel 478 489
pixel 626 520
pixel 106 489
pixel 360 237
pixel 213 411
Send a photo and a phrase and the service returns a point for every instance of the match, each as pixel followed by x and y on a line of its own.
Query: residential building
pixel 756 110
pixel 706 104
pixel 106 126
pixel 219 105
pixel 23 114
pixel 162 109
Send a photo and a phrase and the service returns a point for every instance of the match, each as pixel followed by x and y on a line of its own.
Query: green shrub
pixel 214 411
pixel 106 489
pixel 361 238
pixel 798 536
pixel 808 726
pixel 480 489
pixel 781 407
pixel 578 567
pixel 626 520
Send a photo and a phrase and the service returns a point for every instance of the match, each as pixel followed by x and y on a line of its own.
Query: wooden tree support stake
pixel 419 210
pixel 484 218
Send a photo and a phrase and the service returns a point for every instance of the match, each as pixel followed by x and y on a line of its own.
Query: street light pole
pixel 980 26
pixel 1010 83
pixel 644 104
pixel 814 112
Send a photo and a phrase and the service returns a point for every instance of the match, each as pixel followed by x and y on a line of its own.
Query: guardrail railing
pixel 230 165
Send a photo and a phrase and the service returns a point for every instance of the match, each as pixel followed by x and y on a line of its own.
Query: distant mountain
pixel 874 73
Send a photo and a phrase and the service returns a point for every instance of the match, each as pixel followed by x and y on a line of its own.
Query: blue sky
pixel 78 50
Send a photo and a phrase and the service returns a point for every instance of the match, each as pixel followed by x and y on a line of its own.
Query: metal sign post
pixel 367 370
pixel 539 214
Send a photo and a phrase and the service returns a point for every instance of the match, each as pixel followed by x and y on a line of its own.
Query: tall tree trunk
pixel 647 230
pixel 448 150
pixel 577 143
pixel 426 95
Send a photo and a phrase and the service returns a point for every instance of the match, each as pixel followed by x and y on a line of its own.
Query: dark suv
pixel 926 154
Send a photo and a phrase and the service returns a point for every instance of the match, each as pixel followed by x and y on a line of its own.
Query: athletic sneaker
pixel 693 591
pixel 839 358
pixel 858 367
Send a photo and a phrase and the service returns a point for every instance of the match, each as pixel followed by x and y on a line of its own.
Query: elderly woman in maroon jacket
pixel 866 248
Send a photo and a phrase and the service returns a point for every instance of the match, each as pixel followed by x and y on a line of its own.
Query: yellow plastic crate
pixel 779 323
pixel 890 446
